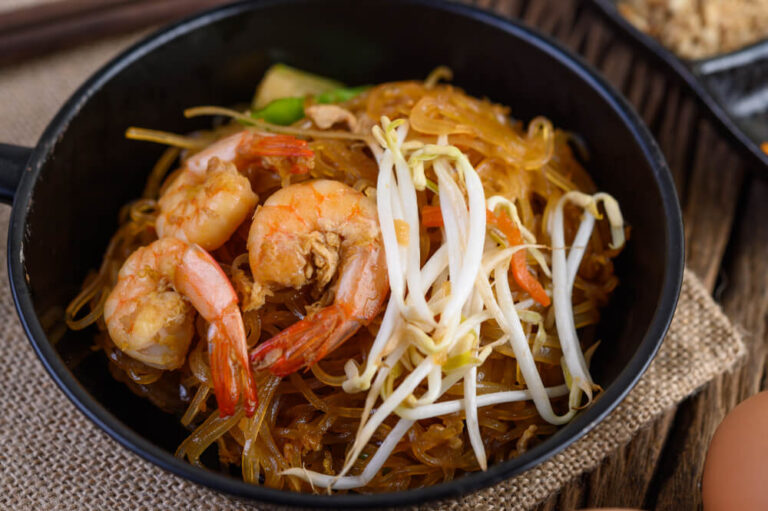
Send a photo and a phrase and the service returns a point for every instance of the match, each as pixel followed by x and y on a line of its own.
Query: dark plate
pixel 732 86
pixel 83 169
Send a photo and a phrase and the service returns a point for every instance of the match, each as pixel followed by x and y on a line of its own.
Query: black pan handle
pixel 13 160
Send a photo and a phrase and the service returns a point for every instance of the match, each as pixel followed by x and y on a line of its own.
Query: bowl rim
pixel 624 382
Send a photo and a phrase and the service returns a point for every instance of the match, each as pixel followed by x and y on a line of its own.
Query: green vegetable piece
pixel 281 81
pixel 341 95
pixel 283 111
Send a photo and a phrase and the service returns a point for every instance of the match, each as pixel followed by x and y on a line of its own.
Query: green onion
pixel 286 111
pixel 283 111
pixel 340 95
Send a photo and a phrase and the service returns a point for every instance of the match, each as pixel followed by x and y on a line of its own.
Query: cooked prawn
pixel 270 152
pixel 311 232
pixel 150 316
pixel 211 195
pixel 206 207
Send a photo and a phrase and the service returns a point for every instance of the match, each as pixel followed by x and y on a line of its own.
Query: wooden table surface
pixel 725 209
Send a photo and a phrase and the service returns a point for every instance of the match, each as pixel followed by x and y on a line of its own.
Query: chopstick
pixel 41 29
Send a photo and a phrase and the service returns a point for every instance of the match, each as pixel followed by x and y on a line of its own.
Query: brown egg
pixel 736 468
pixel 610 509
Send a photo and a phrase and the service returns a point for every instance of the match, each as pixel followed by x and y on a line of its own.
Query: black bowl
pixel 83 169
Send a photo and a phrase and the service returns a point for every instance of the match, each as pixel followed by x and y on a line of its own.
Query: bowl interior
pixel 92 169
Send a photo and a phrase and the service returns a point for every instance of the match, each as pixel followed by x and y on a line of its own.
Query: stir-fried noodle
pixel 498 263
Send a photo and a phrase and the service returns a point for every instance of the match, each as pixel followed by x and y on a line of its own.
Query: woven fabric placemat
pixel 52 457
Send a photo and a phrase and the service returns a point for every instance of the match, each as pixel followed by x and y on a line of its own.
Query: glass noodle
pixel 468 366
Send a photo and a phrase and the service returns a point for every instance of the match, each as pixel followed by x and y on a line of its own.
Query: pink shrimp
pixel 314 231
pixel 212 196
pixel 150 316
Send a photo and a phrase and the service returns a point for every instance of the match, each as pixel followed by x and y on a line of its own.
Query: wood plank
pixel 658 89
pixel 711 203
pixel 745 297
pixel 745 300
pixel 678 111
pixel 577 496
pixel 565 24
pixel 509 8
pixel 617 65
pixel 578 36
pixel 639 84
pixel 623 479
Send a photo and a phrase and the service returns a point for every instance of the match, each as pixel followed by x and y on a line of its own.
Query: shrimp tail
pixel 305 342
pixel 231 370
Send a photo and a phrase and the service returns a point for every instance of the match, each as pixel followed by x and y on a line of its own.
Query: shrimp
pixel 205 208
pixel 312 231
pixel 150 316
pixel 212 194
pixel 247 147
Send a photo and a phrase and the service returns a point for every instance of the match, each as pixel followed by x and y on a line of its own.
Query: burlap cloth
pixel 52 457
